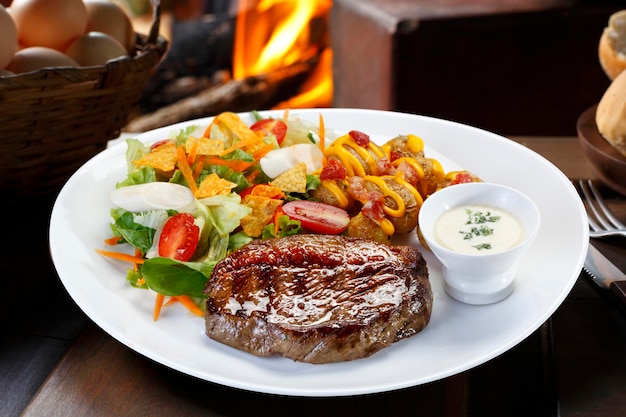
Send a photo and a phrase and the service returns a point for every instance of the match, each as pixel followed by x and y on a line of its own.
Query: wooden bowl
pixel 606 162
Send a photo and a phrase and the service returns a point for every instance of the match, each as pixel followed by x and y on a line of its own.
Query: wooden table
pixel 573 365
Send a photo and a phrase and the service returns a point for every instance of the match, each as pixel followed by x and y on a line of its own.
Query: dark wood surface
pixel 55 362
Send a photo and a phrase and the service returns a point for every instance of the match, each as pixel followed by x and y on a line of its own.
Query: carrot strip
pixel 253 175
pixel 286 115
pixel 141 281
pixel 199 166
pixel 237 166
pixel 158 303
pixel 322 143
pixel 185 169
pixel 171 301
pixel 138 254
pixel 121 256
pixel 262 152
pixel 322 133
pixel 112 240
pixel 242 143
pixel 242 166
pixel 207 131
pixel 191 157
pixel 279 212
pixel 191 306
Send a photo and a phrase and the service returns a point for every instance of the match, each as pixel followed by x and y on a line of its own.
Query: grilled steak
pixel 318 298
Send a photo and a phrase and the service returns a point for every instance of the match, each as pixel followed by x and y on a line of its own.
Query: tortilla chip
pixel 231 122
pixel 263 209
pixel 265 190
pixel 212 185
pixel 293 180
pixel 206 146
pixel 162 157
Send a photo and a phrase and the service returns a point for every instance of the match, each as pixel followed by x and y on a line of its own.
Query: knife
pixel 605 274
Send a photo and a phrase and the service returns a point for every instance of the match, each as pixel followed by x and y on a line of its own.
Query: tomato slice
pixel 318 217
pixel 275 126
pixel 179 237
pixel 462 178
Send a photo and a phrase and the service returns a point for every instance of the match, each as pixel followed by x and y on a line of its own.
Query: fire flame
pixel 273 34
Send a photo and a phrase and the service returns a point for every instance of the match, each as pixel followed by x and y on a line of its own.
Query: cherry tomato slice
pixel 318 217
pixel 277 127
pixel 462 177
pixel 179 237
pixel 160 143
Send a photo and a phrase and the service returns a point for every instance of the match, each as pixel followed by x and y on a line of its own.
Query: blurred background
pixel 515 67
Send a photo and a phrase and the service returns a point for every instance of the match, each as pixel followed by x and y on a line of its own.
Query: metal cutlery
pixel 605 274
pixel 602 222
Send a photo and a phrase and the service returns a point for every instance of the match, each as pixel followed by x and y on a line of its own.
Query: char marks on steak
pixel 318 298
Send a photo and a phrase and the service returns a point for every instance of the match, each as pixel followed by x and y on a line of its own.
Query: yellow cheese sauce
pixel 478 230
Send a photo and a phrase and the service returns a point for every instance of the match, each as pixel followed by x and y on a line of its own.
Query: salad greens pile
pixel 217 217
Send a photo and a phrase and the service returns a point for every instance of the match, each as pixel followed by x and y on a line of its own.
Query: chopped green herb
pixel 483 246
pixel 478 217
pixel 476 231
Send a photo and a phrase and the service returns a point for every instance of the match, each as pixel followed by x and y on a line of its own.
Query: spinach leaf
pixel 170 277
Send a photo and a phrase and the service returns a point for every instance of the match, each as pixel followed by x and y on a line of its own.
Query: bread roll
pixel 611 114
pixel 612 47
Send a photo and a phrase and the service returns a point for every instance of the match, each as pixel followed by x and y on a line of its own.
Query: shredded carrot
pixel 191 306
pixel 199 166
pixel 262 152
pixel 253 175
pixel 121 256
pixel 112 240
pixel 171 301
pixel 141 281
pixel 191 157
pixel 138 254
pixel 251 140
pixel 235 165
pixel 186 301
pixel 235 126
pixel 185 169
pixel 286 115
pixel 207 131
pixel 158 303
pixel 322 143
pixel 256 157
pixel 238 165
pixel 322 133
pixel 279 212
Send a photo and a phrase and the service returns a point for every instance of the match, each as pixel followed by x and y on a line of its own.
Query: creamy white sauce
pixel 478 230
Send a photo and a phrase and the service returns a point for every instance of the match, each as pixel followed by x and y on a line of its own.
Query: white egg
pixel 280 160
pixel 8 37
pixel 37 57
pixel 95 48
pixel 153 196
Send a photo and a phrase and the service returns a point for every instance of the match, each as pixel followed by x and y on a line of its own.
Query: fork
pixel 602 222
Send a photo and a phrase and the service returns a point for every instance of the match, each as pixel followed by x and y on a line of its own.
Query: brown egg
pixel 53 24
pixel 37 57
pixel 108 17
pixel 95 48
pixel 8 37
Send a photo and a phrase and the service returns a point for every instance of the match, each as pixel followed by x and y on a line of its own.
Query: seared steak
pixel 318 298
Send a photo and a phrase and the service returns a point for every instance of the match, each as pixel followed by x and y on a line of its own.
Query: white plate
pixel 459 336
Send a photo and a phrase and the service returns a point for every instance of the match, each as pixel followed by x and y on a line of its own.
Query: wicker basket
pixel 53 120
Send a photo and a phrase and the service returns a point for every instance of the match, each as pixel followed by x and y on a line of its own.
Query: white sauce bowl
pixel 481 278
